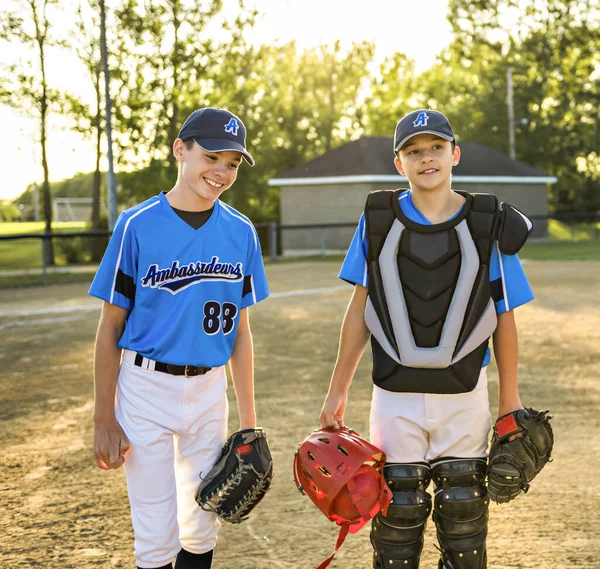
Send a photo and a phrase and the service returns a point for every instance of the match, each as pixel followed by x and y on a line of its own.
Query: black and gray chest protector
pixel 430 308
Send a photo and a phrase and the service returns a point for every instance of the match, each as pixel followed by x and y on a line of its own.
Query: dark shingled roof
pixel 373 155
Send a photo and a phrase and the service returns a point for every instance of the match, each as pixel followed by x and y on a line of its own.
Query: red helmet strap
pixel 340 540
pixel 357 500
pixel 384 500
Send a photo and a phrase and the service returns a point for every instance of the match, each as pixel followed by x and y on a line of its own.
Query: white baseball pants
pixel 177 426
pixel 420 427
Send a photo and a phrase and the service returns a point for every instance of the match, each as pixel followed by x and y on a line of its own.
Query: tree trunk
pixel 98 244
pixel 175 63
pixel 96 188
pixel 48 248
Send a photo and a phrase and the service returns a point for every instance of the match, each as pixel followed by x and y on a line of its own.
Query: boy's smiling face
pixel 206 174
pixel 427 161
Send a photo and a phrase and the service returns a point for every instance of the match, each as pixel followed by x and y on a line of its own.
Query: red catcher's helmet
pixel 342 474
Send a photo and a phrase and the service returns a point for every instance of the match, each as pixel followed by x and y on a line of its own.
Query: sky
pixel 393 25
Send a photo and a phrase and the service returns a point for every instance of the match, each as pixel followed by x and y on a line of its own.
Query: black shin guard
pixel 397 538
pixel 187 560
pixel 461 512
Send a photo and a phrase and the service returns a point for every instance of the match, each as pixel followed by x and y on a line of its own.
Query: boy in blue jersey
pixel 177 279
pixel 432 283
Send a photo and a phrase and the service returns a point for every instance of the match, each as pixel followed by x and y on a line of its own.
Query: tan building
pixel 332 189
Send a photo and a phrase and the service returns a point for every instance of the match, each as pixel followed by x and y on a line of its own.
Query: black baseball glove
pixel 521 446
pixel 239 479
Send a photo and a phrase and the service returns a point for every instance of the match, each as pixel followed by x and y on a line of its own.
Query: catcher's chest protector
pixel 429 308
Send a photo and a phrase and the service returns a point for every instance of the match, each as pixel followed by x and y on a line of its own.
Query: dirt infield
pixel 59 510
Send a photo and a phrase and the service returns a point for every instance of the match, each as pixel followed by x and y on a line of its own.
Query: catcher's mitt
pixel 239 479
pixel 515 461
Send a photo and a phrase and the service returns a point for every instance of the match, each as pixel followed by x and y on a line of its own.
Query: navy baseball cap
pixel 216 130
pixel 422 122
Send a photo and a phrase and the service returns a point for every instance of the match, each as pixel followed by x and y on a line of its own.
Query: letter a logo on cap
pixel 422 119
pixel 232 126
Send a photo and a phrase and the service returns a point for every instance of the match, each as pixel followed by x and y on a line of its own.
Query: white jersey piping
pixel 253 291
pixel 229 209
pixel 364 282
pixel 502 277
pixel 114 280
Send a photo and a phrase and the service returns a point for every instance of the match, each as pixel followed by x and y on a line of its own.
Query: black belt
pixel 188 371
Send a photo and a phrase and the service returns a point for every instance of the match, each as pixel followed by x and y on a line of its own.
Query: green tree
pixel 162 60
pixel 157 54
pixel 25 86
pixel 9 212
pixel 85 42
pixel 471 91
pixel 296 106
pixel 393 93
pixel 553 47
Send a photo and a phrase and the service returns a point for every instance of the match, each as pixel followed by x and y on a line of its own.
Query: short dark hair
pixel 189 144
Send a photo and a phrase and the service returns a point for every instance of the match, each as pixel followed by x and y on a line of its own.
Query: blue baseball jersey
pixel 183 287
pixel 510 287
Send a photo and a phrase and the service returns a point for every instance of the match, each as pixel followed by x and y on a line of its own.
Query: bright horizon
pixel 392 25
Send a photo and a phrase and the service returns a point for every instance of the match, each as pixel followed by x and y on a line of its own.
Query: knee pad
pixel 397 538
pixel 461 512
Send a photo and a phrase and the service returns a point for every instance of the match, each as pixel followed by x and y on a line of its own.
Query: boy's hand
pixel 110 445
pixel 332 413
pixel 507 408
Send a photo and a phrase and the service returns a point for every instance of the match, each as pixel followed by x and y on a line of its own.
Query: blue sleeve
pixel 255 279
pixel 354 268
pixel 510 287
pixel 117 274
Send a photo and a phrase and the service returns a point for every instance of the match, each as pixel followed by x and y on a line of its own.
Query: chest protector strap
pixel 429 308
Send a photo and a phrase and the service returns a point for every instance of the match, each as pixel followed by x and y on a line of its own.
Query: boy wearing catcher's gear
pixel 435 274
pixel 177 279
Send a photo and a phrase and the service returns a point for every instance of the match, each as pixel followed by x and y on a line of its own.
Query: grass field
pixel 60 511
pixel 14 228
pixel 27 253
pixel 562 251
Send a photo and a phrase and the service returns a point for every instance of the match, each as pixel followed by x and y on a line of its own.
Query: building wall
pixel 531 199
pixel 331 203
pixel 337 203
